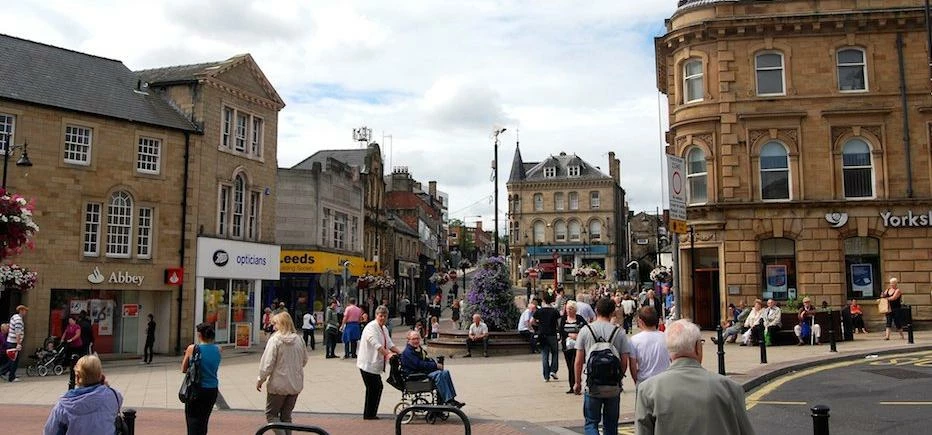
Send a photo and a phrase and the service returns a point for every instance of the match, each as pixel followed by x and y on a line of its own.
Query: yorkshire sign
pixel 907 220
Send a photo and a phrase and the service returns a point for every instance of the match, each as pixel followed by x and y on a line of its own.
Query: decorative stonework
pixel 680 141
pixel 705 138
pixel 791 136
pixel 755 135
pixel 838 132
pixel 874 130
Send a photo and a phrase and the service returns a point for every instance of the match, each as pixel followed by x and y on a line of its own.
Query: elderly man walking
pixel 687 399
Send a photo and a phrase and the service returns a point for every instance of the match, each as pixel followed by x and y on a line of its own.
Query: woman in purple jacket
pixel 91 408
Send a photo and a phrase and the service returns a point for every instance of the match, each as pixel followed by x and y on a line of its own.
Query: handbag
pixel 118 422
pixel 883 305
pixel 192 378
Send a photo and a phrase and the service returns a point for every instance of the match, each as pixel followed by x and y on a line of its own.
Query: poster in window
pixel 78 305
pixel 96 307
pixel 776 281
pixel 105 319
pixel 243 335
pixel 862 279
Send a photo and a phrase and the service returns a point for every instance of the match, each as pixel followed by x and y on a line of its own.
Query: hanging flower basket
pixel 661 274
pixel 375 282
pixel 439 278
pixel 16 225
pixel 14 276
pixel 585 273
pixel 528 271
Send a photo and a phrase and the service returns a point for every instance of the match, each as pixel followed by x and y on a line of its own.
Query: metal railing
pixel 431 408
pixel 291 427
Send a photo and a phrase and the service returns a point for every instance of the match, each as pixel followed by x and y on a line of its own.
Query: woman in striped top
pixel 570 325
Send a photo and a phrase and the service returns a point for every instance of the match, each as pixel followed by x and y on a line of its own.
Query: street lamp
pixel 497 132
pixel 7 149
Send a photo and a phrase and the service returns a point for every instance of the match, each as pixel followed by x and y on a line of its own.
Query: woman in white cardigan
pixel 752 320
pixel 282 364
pixel 375 348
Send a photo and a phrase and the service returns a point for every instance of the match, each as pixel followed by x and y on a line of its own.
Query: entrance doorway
pixel 707 299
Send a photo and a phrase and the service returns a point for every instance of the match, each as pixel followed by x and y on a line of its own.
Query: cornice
pixel 241 93
pixel 559 183
pixel 807 204
pixel 856 112
pixel 770 115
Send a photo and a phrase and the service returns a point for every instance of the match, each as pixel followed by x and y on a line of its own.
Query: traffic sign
pixel 676 171
pixel 533 274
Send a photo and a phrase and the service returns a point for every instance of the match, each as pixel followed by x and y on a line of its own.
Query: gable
pixel 244 74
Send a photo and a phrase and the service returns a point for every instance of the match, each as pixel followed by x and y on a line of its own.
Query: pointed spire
pixel 517 165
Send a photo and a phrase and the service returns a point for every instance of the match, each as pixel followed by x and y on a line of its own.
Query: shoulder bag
pixel 119 422
pixel 192 379
pixel 883 305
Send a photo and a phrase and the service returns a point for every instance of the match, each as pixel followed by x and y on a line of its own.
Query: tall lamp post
pixel 7 149
pixel 495 167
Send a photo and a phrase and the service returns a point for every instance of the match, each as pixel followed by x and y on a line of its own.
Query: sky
pixel 432 79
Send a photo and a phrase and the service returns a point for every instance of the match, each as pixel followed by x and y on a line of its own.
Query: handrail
pixel 432 408
pixel 292 426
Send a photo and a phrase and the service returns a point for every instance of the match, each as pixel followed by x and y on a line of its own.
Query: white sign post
pixel 676 171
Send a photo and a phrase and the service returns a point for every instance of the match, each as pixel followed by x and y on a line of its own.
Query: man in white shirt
pixel 628 306
pixel 584 309
pixel 650 355
pixel 524 326
pixel 309 325
pixel 478 333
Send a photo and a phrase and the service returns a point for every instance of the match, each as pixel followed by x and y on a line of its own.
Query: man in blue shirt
pixel 414 360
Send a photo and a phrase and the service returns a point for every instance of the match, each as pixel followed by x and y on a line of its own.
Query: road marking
pixel 755 397
pixel 907 403
pixel 777 402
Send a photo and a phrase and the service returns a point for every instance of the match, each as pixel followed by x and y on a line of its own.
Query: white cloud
pixel 435 75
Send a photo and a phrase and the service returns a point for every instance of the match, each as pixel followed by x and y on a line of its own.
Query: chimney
pixel 478 226
pixel 432 189
pixel 614 167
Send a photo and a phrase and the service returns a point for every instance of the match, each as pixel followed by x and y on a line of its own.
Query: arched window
pixel 539 232
pixel 575 229
pixel 239 205
pixel 119 224
pixel 778 260
pixel 862 263
pixel 852 74
pixel 697 176
pixel 595 231
pixel 857 169
pixel 538 202
pixel 770 79
pixel 559 231
pixel 774 172
pixel 692 81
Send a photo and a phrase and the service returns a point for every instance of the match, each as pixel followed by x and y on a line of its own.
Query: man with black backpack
pixel 604 352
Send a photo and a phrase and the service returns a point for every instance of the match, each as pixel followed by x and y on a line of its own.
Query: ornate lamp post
pixel 7 149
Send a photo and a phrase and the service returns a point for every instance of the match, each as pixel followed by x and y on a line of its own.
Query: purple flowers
pixel 491 296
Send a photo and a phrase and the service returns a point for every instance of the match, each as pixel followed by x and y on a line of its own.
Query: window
pixel 862 264
pixel 256 143
pixel 575 229
pixel 252 226
pixel 574 201
pixel 595 231
pixel 144 233
pixel 325 228
pixel 119 224
pixel 539 232
pixel 227 126
pixel 78 145
pixel 91 229
pixel 559 232
pixel 594 201
pixel 852 76
pixel 774 172
pixel 239 199
pixel 550 172
pixel 769 74
pixel 573 171
pixel 558 201
pixel 778 261
pixel 692 81
pixel 224 210
pixel 857 169
pixel 242 123
pixel 6 130
pixel 696 175
pixel 538 202
pixel 354 229
pixel 339 230
pixel 147 155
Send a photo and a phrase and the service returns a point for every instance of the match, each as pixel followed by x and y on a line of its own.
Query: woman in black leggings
pixel 570 325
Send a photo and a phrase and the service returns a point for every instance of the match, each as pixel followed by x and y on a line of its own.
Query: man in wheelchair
pixel 414 360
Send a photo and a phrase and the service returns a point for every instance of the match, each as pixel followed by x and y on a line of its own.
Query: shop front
pixel 309 278
pixel 229 280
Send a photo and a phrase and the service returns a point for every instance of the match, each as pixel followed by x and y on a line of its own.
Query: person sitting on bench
pixel 807 316
pixel 478 333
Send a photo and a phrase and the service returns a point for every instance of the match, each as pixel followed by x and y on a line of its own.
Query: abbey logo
pixel 119 277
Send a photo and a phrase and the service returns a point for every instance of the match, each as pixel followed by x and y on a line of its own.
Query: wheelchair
pixel 416 389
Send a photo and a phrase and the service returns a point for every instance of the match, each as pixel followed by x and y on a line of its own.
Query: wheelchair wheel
pixel 31 371
pixel 58 369
pixel 42 370
pixel 401 406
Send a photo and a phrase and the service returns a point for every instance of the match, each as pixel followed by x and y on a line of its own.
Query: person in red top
pixel 351 330
pixel 72 336
pixel 857 316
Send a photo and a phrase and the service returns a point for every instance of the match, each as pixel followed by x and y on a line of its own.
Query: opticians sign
pixel 906 220
pixel 219 258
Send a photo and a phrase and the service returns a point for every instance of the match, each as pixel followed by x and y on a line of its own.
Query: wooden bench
pixel 786 335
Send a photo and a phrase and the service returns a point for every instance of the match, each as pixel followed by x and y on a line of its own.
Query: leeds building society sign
pixel 889 219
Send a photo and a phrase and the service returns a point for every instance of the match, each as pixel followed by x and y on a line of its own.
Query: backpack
pixel 603 368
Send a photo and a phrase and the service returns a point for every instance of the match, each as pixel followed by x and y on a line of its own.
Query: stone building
pixel 563 213
pixel 422 212
pixel 805 130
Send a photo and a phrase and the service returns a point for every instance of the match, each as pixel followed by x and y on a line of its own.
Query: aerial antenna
pixel 362 135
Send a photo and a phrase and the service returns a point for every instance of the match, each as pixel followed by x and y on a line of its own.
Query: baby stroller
pixel 416 389
pixel 48 358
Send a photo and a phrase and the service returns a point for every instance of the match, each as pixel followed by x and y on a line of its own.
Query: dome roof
pixel 685 4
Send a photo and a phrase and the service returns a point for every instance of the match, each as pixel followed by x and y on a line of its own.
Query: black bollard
pixel 819 420
pixel 72 359
pixel 831 331
pixel 909 324
pixel 129 416
pixel 721 350
pixel 762 342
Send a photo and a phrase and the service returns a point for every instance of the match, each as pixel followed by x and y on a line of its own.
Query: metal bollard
pixel 71 362
pixel 831 331
pixel 721 350
pixel 129 416
pixel 762 342
pixel 819 419
pixel 909 324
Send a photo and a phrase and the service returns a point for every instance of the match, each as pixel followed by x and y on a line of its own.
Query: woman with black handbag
pixel 91 408
pixel 198 407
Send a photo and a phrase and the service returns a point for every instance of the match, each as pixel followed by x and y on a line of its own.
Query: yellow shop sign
pixel 319 262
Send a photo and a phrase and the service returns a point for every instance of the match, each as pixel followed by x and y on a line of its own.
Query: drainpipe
pixel 184 222
pixel 909 165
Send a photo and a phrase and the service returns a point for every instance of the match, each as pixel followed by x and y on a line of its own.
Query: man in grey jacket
pixel 669 403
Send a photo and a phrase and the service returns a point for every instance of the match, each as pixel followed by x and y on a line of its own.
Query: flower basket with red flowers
pixel 16 225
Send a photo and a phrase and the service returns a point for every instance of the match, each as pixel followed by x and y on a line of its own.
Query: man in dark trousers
pixel 546 319
pixel 150 340
pixel 87 333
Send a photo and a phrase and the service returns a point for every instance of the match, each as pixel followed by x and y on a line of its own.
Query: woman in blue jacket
pixel 91 408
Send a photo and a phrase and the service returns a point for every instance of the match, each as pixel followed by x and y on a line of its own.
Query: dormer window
pixel 573 171
pixel 550 172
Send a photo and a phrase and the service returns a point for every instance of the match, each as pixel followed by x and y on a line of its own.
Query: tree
pixel 491 296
